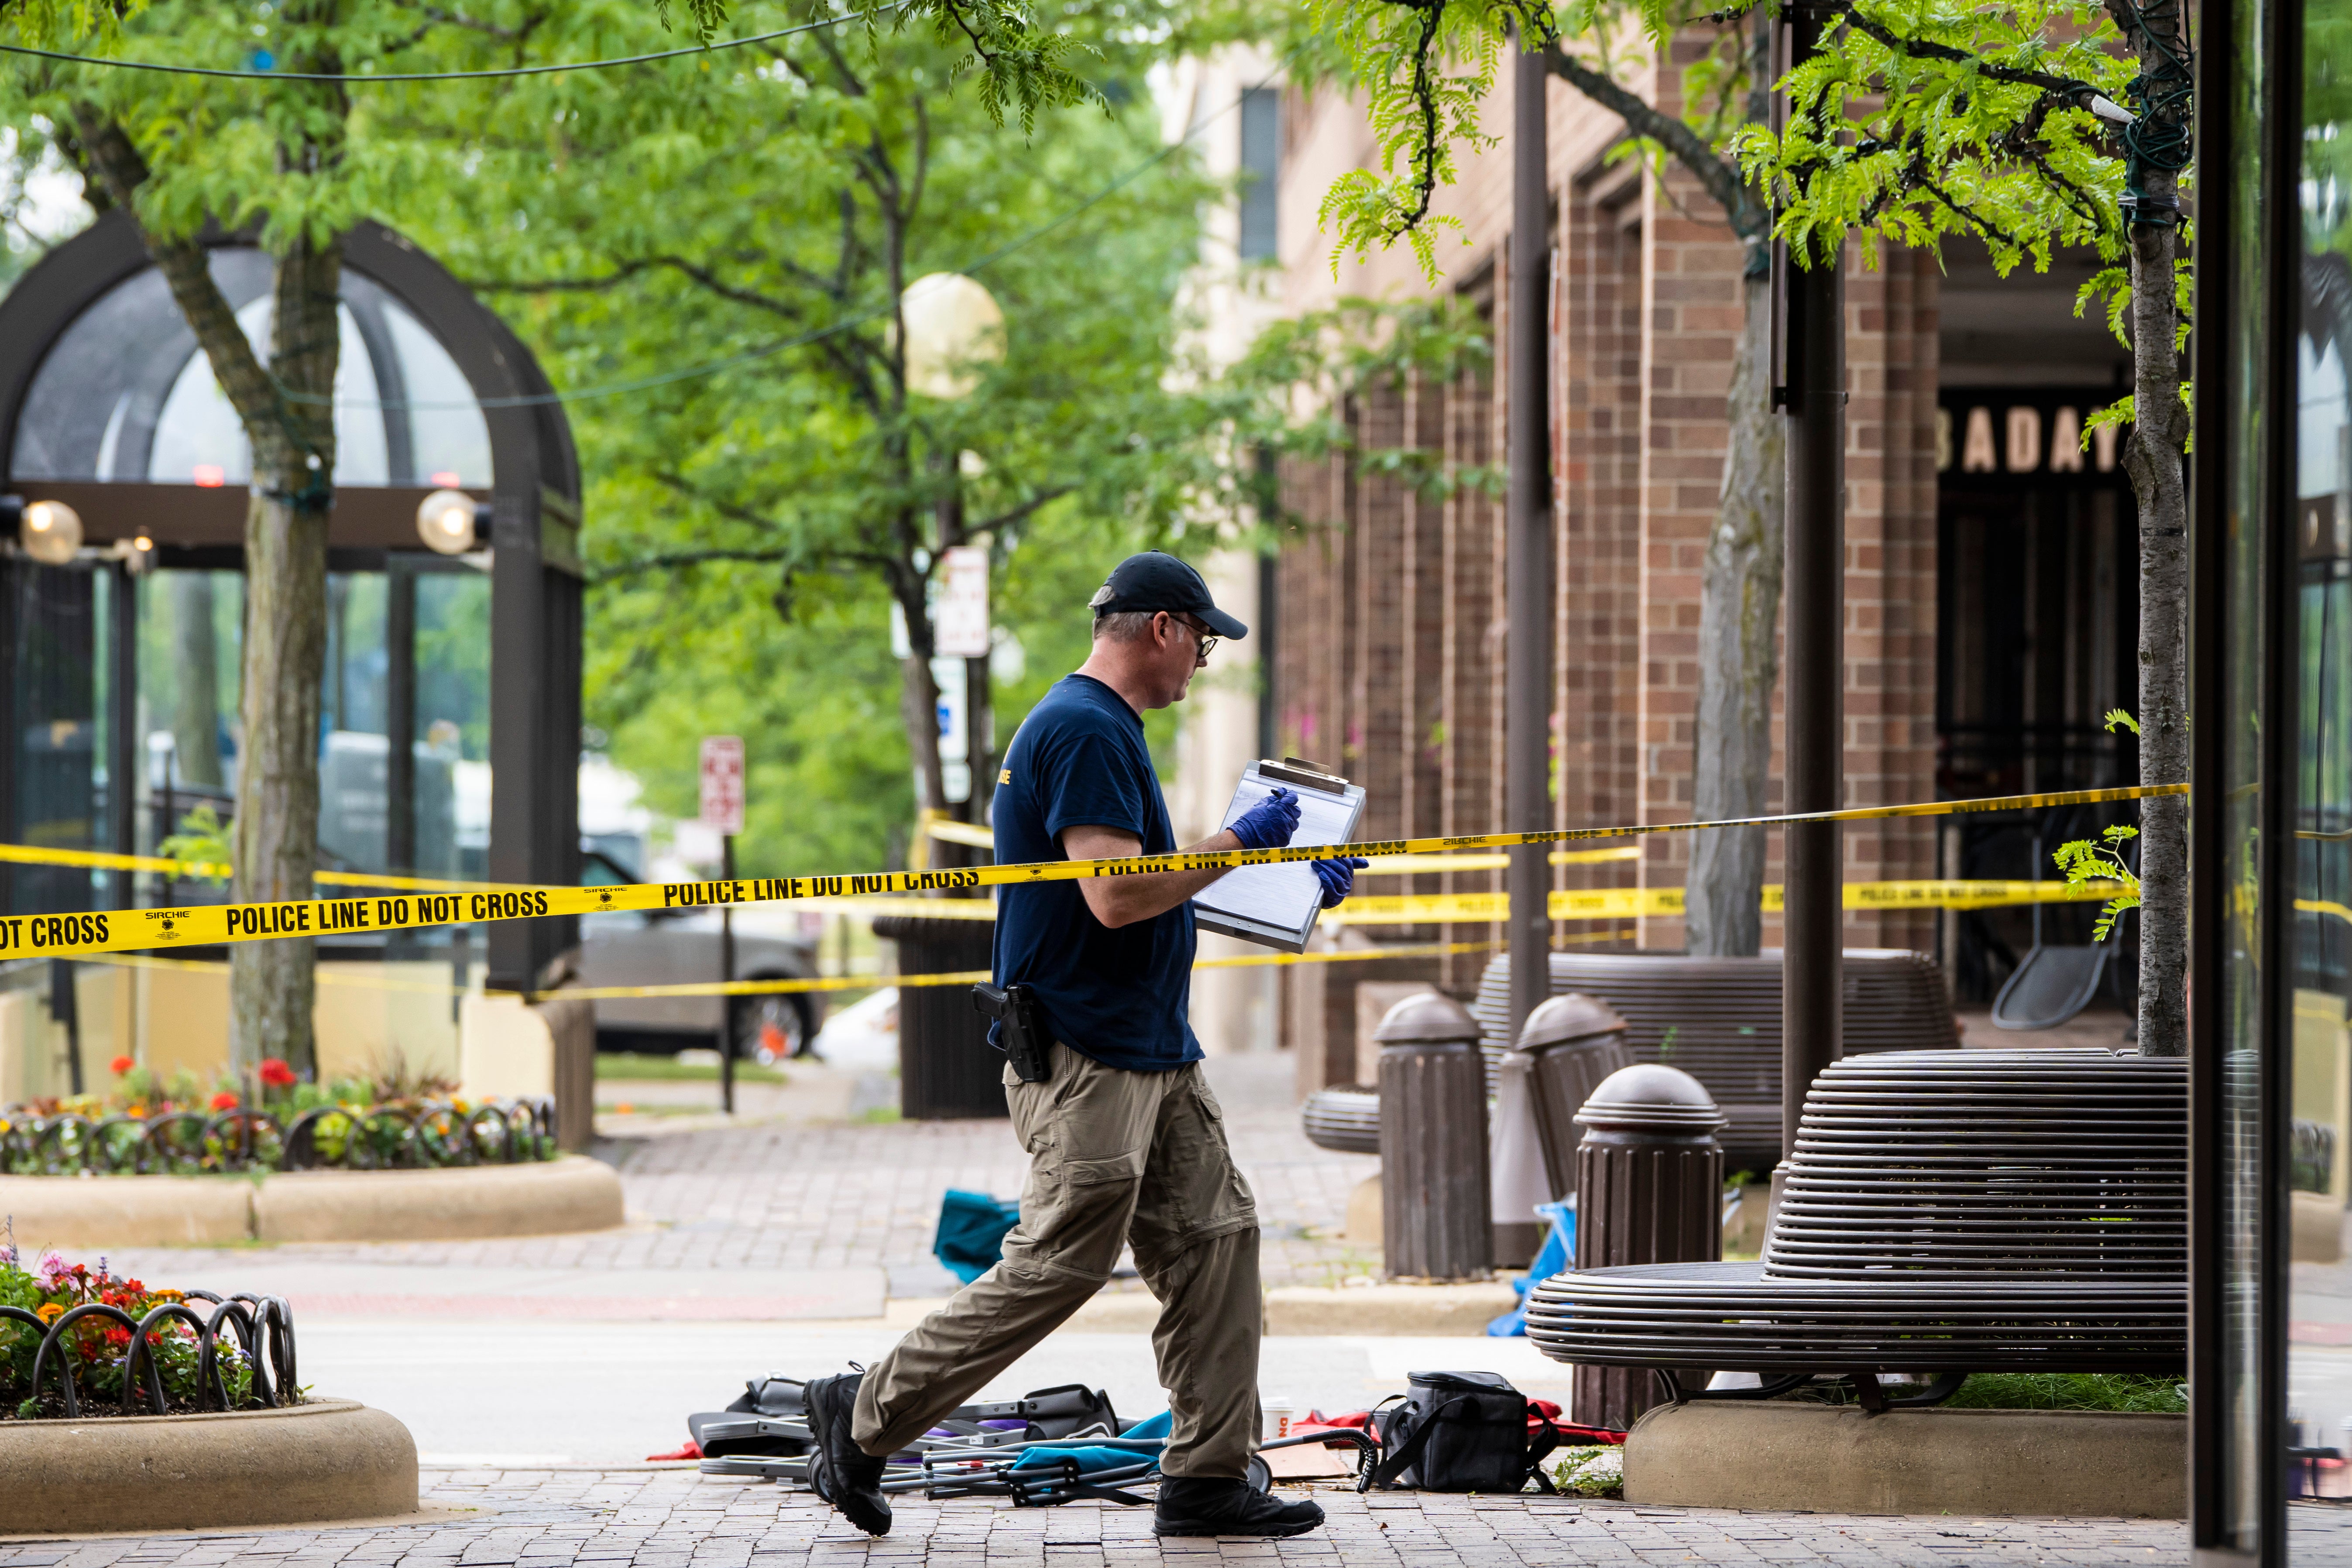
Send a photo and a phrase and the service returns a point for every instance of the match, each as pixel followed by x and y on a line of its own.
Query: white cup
pixel 1277 1412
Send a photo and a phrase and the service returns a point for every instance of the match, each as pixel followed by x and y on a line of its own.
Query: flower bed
pixel 76 1342
pixel 275 1122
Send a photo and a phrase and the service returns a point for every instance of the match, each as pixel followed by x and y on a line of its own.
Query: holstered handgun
pixel 1020 1035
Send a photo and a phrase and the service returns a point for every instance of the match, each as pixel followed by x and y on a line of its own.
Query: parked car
pixel 675 947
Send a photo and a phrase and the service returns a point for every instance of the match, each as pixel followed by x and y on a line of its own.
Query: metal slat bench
pixel 1945 1212
pixel 1718 1019
pixel 1347 1121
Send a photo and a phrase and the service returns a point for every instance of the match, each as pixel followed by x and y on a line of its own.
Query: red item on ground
pixel 693 1450
pixel 1541 1413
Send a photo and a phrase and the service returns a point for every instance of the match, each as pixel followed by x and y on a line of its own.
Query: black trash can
pixel 1649 1178
pixel 1575 1043
pixel 946 1068
pixel 1436 1213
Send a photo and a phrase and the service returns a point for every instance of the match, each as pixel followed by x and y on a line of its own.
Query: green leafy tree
pixel 2026 127
pixel 767 216
pixel 769 213
pixel 1423 72
pixel 176 154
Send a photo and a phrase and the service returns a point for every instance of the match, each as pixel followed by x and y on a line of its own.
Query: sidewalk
pixel 787 1195
pixel 675 1519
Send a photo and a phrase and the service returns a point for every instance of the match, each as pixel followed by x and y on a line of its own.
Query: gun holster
pixel 1020 1035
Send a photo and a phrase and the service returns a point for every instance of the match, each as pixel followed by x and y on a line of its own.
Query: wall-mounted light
pixel 47 530
pixel 449 521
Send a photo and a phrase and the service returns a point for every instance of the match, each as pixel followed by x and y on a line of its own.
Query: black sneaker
pixel 841 1472
pixel 1191 1505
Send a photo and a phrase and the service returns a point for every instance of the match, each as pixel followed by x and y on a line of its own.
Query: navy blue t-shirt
pixel 1120 996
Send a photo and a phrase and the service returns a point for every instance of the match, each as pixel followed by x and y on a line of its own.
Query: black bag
pixel 1458 1432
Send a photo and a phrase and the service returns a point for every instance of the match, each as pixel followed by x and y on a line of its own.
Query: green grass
pixel 2067 1391
pixel 2031 1391
pixel 624 1067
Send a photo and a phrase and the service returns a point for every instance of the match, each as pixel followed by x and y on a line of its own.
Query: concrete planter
pixel 329 1459
pixel 1830 1460
pixel 572 1193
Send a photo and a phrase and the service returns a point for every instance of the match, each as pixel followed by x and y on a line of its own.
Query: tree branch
pixel 260 406
pixel 1748 219
pixel 677 560
pixel 1921 48
pixel 1007 518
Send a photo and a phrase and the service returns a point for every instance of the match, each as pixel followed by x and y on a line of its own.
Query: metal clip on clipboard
pixel 1277 906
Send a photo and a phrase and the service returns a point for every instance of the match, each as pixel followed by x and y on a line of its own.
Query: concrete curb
pixel 570 1194
pixel 328 1460
pixel 1832 1459
pixel 548 1198
pixel 129 1211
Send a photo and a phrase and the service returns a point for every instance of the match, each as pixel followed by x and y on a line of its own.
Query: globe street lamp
pixel 954 331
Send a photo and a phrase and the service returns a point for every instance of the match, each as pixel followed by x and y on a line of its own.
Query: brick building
pixel 1981 624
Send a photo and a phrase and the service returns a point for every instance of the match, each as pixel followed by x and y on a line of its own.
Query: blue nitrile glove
pixel 1339 879
pixel 1269 824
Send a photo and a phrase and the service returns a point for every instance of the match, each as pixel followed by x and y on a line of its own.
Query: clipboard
pixel 1277 906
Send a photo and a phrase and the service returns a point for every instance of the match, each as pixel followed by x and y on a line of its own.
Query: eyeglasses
pixel 1208 645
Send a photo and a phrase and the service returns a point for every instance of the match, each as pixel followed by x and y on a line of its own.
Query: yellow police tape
pixel 1633 903
pixel 133 930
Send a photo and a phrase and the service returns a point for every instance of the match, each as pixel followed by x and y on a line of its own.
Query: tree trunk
pixel 195 715
pixel 1740 600
pixel 919 710
pixel 271 983
pixel 2154 457
pixel 288 422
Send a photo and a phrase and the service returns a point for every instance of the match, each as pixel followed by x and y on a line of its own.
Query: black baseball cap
pixel 1155 580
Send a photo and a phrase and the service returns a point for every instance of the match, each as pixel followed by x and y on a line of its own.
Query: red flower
pixel 276 1074
pixel 223 1100
pixel 119 1066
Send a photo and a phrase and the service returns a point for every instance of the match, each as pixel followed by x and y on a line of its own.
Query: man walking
pixel 1127 1144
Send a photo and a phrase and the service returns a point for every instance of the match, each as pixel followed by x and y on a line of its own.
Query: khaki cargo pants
pixel 1116 1157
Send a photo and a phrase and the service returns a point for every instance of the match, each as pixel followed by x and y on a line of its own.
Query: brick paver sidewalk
pixel 675 1519
pixel 771 1195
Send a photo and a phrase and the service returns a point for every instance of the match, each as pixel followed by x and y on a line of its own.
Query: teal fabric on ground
pixel 1092 1457
pixel 1092 1460
pixel 971 1238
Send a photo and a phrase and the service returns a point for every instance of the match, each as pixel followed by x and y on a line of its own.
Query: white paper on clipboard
pixel 1277 905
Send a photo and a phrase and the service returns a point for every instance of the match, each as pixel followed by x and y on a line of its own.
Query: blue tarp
pixel 1558 1253
pixel 970 1240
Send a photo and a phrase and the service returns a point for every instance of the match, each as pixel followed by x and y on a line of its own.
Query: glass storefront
pixel 2272 1369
